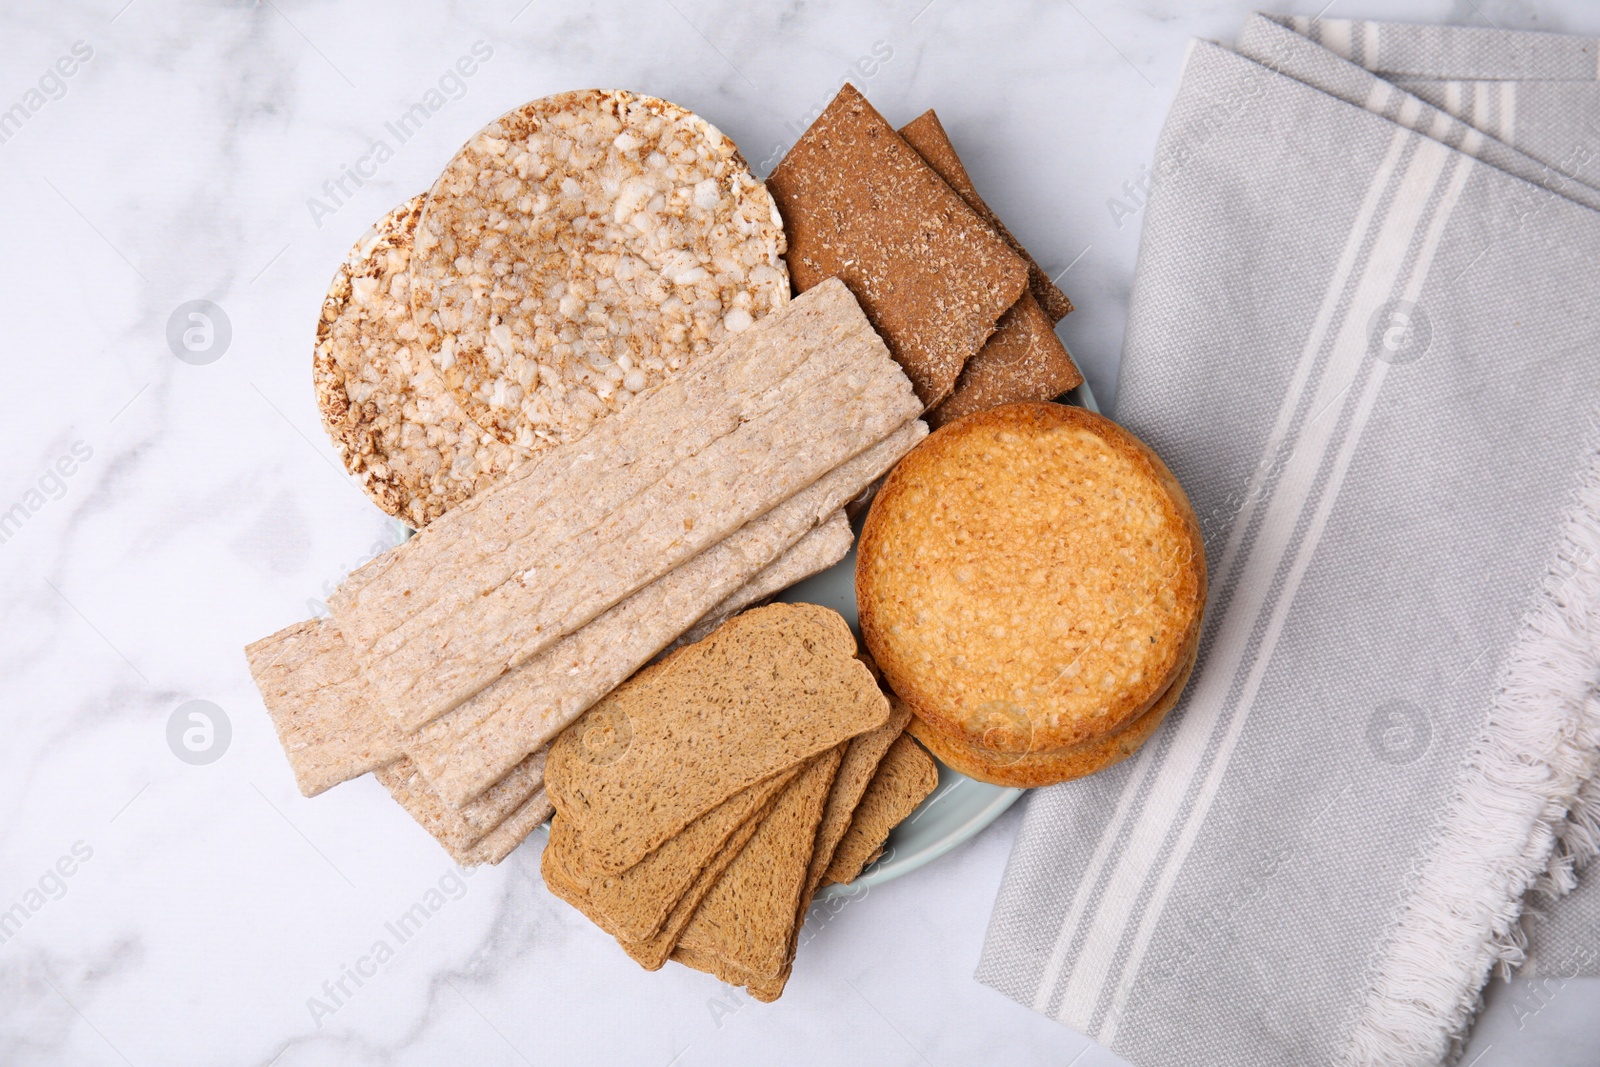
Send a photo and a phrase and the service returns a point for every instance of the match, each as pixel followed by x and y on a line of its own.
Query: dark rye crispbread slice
pixel 1032 770
pixel 770 688
pixel 1022 360
pixel 926 134
pixel 578 528
pixel 748 918
pixel 319 706
pixel 1030 578
pixel 636 902
pixel 859 204
pixel 906 775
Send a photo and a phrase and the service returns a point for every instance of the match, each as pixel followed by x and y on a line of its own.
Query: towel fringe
pixel 1524 816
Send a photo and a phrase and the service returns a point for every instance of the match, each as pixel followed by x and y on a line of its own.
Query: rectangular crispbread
pixel 927 136
pixel 637 902
pixel 770 688
pixel 319 707
pixel 503 839
pixel 859 204
pixel 475 744
pixel 461 828
pixel 748 918
pixel 500 578
pixel 812 554
pixel 906 775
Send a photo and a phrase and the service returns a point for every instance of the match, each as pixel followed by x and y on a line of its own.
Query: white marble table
pixel 173 511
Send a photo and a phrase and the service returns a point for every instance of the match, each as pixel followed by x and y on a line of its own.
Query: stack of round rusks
pixel 1031 581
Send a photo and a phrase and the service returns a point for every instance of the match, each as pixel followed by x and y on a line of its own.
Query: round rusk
pixel 394 423
pixel 583 248
pixel 1034 769
pixel 1031 578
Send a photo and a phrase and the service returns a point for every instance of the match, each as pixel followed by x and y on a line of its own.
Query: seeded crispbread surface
pixel 319 706
pixel 574 530
pixel 637 901
pixel 1035 769
pixel 391 418
pixel 1022 360
pixel 749 916
pixel 475 744
pixel 1030 577
pixel 770 688
pixel 585 247
pixel 858 203
pixel 906 775
pixel 460 828
pixel 926 134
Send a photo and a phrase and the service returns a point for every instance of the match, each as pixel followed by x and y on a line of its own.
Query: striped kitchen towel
pixel 1365 334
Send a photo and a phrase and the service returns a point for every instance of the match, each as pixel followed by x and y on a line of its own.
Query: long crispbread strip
pixel 503 839
pixel 472 746
pixel 637 901
pixel 318 704
pixel 812 554
pixel 461 828
pixel 772 687
pixel 906 776
pixel 749 916
pixel 559 540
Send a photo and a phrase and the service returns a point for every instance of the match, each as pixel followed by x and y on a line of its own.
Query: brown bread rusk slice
pixel 319 706
pixel 637 901
pixel 858 203
pixel 1034 769
pixel 770 688
pixel 906 775
pixel 651 952
pixel 1022 360
pixel 578 528
pixel 861 760
pixel 926 134
pixel 1030 578
pixel 749 916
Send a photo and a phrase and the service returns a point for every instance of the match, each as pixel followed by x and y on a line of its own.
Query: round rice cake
pixel 1030 578
pixel 583 248
pixel 1032 770
pixel 394 423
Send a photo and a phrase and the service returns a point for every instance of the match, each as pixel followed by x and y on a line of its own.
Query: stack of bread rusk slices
pixel 1031 581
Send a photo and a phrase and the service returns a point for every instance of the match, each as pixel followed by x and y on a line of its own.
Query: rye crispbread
pixel 319 706
pixel 1030 578
pixel 391 418
pixel 583 248
pixel 503 839
pixel 906 775
pixel 770 688
pixel 1032 770
pixel 858 203
pixel 637 901
pixel 576 529
pixel 926 134
pixel 748 918
pixel 812 554
pixel 476 743
pixel 1022 360
pixel 461 828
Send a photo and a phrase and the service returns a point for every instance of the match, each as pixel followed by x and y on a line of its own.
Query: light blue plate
pixel 960 806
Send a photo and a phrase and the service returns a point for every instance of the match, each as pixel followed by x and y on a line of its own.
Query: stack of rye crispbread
pixel 702 803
